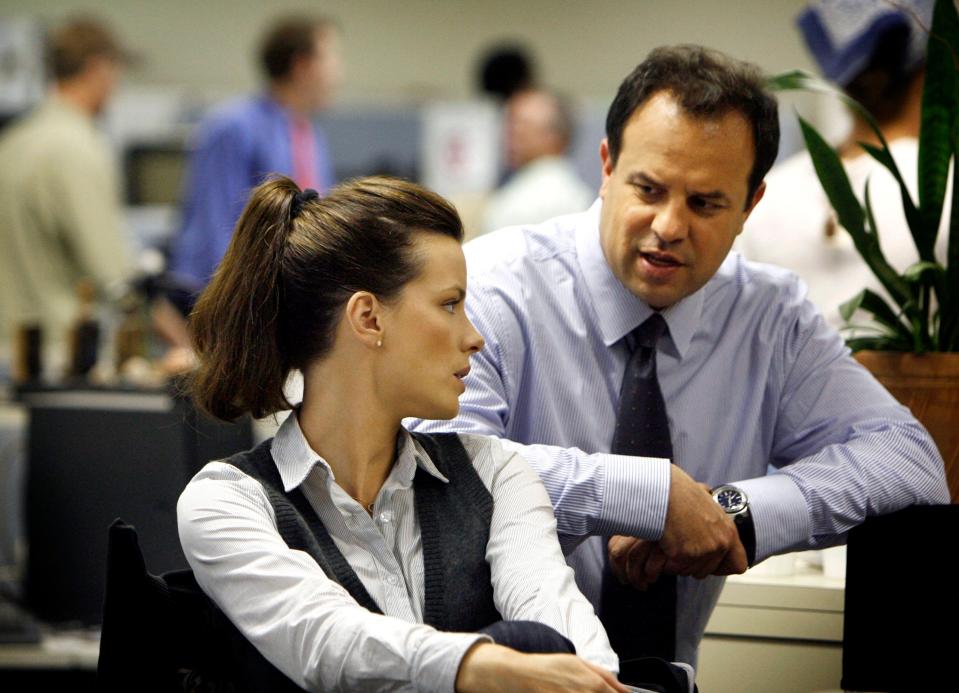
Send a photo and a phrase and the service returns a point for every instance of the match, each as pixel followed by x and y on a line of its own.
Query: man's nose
pixel 671 222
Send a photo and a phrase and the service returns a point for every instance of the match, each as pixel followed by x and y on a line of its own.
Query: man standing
pixel 59 191
pixel 544 184
pixel 244 141
pixel 630 329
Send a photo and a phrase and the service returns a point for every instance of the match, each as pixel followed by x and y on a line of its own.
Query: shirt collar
pixel 295 459
pixel 618 311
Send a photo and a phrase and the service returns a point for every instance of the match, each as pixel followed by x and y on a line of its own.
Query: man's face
pixel 103 76
pixel 675 200
pixel 322 72
pixel 529 128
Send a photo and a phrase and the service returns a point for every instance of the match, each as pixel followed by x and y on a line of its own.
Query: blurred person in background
pixel 543 184
pixel 875 51
pixel 505 69
pixel 243 141
pixel 60 216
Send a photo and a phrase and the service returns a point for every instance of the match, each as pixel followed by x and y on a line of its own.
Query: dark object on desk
pixel 94 455
pixel 902 603
pixel 17 626
pixel 28 363
pixel 161 633
pixel 84 340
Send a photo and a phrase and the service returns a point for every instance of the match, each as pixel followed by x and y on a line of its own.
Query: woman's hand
pixel 489 667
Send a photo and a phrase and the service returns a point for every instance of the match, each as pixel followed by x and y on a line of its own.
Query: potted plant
pixel 912 342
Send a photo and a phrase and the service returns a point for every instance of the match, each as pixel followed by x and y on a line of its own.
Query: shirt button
pixel 386 517
pixel 393 580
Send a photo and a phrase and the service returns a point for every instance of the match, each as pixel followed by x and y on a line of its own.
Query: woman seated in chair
pixel 351 553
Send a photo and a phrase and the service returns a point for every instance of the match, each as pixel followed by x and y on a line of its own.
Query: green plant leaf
pixel 872 254
pixel 834 180
pixel 876 305
pixel 800 79
pixel 877 344
pixel 884 157
pixel 940 97
pixel 923 272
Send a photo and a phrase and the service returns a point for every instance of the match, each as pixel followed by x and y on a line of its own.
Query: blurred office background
pixel 410 71
pixel 410 93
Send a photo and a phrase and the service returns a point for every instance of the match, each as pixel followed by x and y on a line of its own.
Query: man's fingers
pixel 734 562
pixel 654 565
pixel 618 548
pixel 638 554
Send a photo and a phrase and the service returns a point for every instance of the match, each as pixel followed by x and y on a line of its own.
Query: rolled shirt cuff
pixel 780 514
pixel 438 658
pixel 636 496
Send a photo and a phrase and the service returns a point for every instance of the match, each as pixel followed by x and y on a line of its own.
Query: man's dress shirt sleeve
pixel 844 447
pixel 592 493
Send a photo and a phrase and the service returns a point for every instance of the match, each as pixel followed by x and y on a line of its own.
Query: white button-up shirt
pixel 310 628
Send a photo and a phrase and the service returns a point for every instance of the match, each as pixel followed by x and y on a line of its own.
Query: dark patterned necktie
pixel 641 624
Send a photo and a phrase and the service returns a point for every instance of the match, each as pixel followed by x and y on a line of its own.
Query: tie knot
pixel 650 330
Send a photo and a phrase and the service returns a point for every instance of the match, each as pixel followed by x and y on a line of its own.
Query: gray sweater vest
pixel 454 525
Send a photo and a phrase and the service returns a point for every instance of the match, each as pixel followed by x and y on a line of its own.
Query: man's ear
pixel 364 316
pixel 607 165
pixel 757 196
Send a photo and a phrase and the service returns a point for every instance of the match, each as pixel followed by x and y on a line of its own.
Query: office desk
pixel 63 661
pixel 781 634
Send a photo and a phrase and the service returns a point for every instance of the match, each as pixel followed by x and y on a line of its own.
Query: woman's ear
pixel 364 317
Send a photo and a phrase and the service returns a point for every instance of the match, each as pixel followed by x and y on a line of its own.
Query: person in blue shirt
pixel 750 374
pixel 243 141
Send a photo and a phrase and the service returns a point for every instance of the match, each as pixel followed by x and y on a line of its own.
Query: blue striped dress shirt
pixel 751 375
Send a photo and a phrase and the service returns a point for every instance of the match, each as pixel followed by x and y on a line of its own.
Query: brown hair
pixel 288 39
pixel 276 297
pixel 883 83
pixel 70 47
pixel 707 84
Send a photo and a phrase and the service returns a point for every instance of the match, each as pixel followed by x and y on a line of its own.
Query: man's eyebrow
pixel 460 291
pixel 641 177
pixel 711 196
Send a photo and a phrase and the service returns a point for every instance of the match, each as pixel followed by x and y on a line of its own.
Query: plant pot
pixel 929 385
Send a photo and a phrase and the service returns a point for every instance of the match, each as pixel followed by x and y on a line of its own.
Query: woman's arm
pixel 531 580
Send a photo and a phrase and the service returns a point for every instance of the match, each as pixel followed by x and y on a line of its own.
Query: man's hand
pixel 699 536
pixel 698 540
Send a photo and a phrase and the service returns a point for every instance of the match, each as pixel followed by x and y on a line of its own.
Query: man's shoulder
pixel 756 285
pixel 524 248
pixel 237 117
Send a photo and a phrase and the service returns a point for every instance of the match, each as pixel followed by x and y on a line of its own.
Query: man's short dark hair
pixel 707 84
pixel 72 45
pixel 504 70
pixel 286 40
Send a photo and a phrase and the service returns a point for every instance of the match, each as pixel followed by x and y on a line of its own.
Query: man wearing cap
pixel 59 195
pixel 245 140
pixel 875 51
pixel 653 376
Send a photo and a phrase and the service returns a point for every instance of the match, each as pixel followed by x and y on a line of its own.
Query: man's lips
pixel 660 259
pixel 462 373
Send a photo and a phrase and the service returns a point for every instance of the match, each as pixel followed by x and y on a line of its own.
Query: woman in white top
pixel 363 292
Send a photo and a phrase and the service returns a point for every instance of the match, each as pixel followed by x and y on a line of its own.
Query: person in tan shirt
pixel 59 194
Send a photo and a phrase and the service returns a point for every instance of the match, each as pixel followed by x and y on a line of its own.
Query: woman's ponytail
pixel 236 320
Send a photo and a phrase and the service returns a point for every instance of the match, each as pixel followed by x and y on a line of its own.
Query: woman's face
pixel 427 338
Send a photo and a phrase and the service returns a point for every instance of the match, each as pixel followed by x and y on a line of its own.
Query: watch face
pixel 732 500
